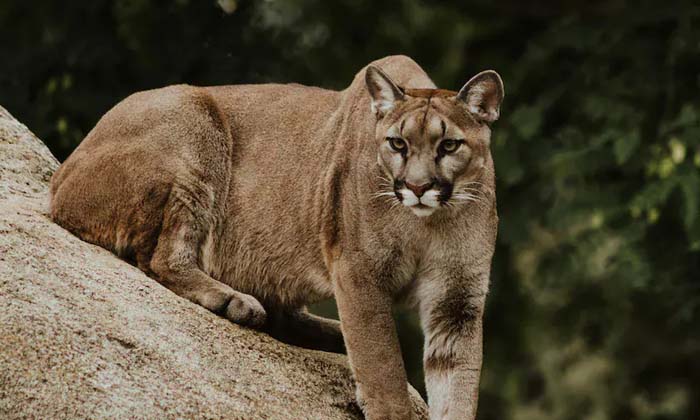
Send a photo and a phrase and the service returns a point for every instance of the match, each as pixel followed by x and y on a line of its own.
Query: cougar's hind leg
pixel 301 328
pixel 175 262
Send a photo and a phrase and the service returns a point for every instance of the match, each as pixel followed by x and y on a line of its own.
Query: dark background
pixel 595 305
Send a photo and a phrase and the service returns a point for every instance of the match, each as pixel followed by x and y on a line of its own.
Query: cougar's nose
pixel 419 190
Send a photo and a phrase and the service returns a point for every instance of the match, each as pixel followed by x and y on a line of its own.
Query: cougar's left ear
pixel 483 95
pixel 383 91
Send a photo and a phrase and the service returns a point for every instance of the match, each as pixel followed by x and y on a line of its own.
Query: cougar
pixel 254 201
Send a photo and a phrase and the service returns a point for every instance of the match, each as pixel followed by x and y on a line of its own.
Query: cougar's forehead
pixel 422 121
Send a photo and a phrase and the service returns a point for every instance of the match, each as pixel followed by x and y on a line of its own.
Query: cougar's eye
pixel 450 146
pixel 397 144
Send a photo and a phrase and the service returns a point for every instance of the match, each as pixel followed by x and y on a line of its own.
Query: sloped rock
pixel 86 335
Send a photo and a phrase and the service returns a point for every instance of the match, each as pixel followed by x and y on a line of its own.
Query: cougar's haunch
pixel 256 200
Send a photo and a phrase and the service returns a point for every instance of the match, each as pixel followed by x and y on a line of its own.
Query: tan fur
pixel 256 200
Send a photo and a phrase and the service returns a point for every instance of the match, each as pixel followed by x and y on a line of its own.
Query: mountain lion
pixel 256 200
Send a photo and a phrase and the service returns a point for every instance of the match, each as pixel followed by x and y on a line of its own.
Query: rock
pixel 86 335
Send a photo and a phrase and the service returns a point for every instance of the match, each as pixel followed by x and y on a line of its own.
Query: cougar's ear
pixel 382 90
pixel 483 95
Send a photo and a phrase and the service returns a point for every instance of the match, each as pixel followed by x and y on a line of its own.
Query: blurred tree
pixel 596 282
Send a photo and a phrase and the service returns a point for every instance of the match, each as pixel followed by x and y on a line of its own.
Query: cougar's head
pixel 433 143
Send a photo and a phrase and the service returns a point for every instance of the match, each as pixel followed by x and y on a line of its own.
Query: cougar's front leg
pixel 372 344
pixel 452 322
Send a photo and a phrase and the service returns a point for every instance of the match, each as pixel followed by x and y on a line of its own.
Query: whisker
pixel 474 196
pixel 385 180
pixel 384 194
pixel 466 194
pixel 467 197
pixel 476 186
pixel 470 190
pixel 481 191
pixel 465 200
pixel 386 198
pixel 475 183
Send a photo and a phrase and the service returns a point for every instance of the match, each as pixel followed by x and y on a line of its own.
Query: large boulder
pixel 86 335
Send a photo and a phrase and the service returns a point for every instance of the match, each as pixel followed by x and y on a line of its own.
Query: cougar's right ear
pixel 382 90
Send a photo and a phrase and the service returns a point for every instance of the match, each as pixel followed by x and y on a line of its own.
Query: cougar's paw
pixel 245 310
pixel 215 299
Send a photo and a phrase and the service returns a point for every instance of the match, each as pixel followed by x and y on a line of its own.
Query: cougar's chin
pixel 421 210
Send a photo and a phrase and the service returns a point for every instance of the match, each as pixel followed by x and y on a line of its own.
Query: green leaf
pixel 654 193
pixel 625 146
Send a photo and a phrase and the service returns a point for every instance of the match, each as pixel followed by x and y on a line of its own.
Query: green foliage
pixel 596 281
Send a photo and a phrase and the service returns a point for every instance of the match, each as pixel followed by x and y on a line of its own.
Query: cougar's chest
pixel 411 260
pixel 437 255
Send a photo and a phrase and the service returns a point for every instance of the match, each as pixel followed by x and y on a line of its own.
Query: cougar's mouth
pixel 423 201
pixel 421 206
pixel 422 210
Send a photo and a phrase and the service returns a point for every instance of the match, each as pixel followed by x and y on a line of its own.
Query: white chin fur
pixel 422 211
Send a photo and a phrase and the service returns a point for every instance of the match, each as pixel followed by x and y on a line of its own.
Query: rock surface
pixel 86 335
